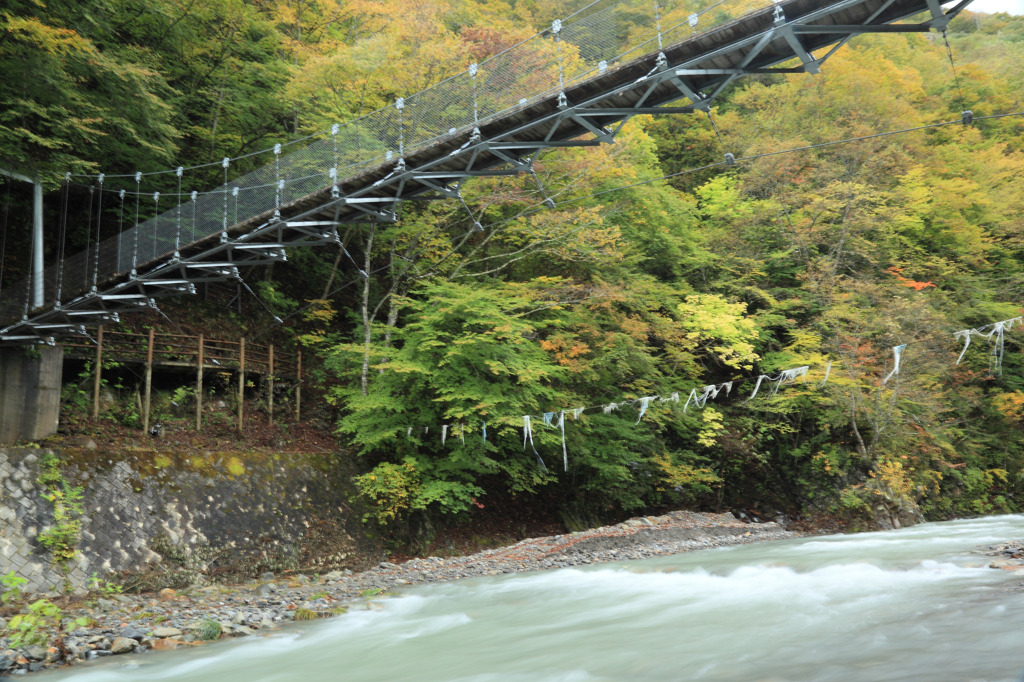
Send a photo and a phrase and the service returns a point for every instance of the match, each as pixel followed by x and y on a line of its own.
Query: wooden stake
pixel 241 381
pixel 97 374
pixel 149 383
pixel 270 397
pixel 298 390
pixel 199 387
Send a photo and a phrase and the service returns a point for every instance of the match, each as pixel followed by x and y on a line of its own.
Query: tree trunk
pixel 367 328
pixel 392 308
pixel 853 425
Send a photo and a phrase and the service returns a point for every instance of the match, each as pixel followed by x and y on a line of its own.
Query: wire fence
pixel 601 35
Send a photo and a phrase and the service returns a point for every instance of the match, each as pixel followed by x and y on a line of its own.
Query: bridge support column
pixel 30 383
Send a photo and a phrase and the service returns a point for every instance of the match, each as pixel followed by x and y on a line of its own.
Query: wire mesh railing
pixel 602 34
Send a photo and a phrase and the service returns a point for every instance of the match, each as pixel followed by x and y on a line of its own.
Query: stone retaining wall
pixel 190 517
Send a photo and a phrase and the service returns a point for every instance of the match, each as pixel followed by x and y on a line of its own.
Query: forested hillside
pixel 645 279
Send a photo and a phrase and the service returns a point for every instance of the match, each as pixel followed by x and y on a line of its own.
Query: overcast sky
pixel 1011 6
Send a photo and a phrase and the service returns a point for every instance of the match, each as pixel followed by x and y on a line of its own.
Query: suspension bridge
pixel 581 89
pixel 571 85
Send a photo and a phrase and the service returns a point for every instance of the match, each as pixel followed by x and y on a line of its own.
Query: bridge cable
pixel 135 231
pixel 730 159
pixel 99 223
pixel 195 205
pixel 278 185
pixel 657 21
pixel 177 220
pixel 966 114
pixel 333 131
pixel 556 28
pixel 88 245
pixel 120 229
pixel 156 220
pixel 225 162
pixel 473 69
pixel 400 105
pixel 210 164
pixel 333 172
pixel 62 236
pixel 260 300
pixel 30 280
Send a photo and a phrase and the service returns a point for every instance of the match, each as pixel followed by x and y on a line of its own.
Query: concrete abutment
pixel 30 385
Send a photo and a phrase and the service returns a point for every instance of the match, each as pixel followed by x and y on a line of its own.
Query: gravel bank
pixel 119 624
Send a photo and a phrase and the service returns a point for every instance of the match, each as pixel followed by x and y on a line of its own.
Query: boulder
pixel 133 633
pixel 123 645
pixel 165 632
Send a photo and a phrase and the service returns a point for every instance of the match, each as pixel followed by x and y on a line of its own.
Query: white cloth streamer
pixel 897 353
pixel 644 403
pixel 565 453
pixel 828 370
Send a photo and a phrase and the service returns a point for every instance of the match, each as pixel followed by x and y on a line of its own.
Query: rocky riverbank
pixel 1009 556
pixel 118 624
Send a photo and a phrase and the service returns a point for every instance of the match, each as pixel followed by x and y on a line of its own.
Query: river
pixel 912 604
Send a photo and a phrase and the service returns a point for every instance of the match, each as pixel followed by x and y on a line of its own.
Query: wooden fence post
pixel 298 390
pixel 149 383
pixel 241 381
pixel 199 387
pixel 270 396
pixel 97 374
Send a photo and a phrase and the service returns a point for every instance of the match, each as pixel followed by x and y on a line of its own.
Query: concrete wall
pixel 30 383
pixel 187 518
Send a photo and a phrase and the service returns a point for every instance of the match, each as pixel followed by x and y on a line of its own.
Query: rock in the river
pixel 123 645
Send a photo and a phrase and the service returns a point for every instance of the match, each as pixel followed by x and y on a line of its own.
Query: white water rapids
pixel 913 604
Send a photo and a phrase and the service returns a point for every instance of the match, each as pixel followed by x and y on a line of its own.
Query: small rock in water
pixel 268 576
